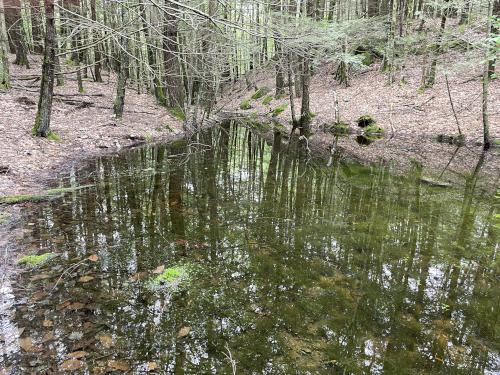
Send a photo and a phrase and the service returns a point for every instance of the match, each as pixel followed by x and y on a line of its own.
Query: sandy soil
pixel 86 128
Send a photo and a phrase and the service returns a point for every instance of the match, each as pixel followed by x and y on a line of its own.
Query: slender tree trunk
pixel 4 48
pixel 486 82
pixel 280 80
pixel 97 52
pixel 494 33
pixel 122 71
pixel 431 78
pixel 42 120
pixel 305 113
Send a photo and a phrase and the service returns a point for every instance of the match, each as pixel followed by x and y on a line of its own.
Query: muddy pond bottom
pixel 231 254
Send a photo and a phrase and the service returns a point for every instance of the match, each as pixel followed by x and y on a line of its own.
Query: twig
pixel 230 358
pixel 451 103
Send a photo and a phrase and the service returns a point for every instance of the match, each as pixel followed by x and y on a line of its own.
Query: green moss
pixel 496 141
pixel 45 195
pixel 261 92
pixel 170 278
pixel 458 139
pixel 365 120
pixel 245 104
pixel 35 260
pixel 373 129
pixel 53 137
pixel 268 99
pixel 278 110
pixel 367 58
pixel 338 128
pixel 177 112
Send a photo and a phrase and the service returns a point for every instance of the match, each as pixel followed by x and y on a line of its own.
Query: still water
pixel 289 266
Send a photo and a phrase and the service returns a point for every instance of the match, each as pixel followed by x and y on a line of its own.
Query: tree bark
pixel 42 120
pixel 305 113
pixel 97 52
pixel 4 48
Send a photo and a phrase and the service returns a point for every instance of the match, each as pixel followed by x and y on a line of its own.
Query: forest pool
pixel 232 254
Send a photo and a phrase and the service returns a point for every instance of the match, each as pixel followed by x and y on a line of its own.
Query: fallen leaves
pixel 77 355
pixel 26 343
pixel 47 323
pixel 93 258
pixel 151 366
pixel 106 341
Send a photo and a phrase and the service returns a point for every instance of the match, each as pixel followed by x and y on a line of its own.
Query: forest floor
pixel 84 123
pixel 411 119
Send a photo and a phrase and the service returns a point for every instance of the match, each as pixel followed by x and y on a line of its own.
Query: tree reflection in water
pixel 297 267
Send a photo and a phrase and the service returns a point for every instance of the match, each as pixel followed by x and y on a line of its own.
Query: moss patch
pixel 365 120
pixel 278 110
pixel 337 128
pixel 53 137
pixel 170 278
pixel 373 130
pixel 45 195
pixel 261 92
pixel 245 104
pixel 35 260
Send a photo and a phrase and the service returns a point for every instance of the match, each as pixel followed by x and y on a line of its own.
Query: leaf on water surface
pixel 183 332
pixel 151 366
pixel 159 269
pixel 106 341
pixel 93 258
pixel 77 355
pixel 118 365
pixel 85 279
pixel 71 365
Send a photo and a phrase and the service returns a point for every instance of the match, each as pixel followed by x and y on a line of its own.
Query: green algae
pixel 43 196
pixel 35 260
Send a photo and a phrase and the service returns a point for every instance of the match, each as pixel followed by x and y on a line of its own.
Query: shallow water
pixel 293 267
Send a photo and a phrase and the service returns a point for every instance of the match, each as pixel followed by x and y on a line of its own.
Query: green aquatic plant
pixel 35 260
pixel 170 278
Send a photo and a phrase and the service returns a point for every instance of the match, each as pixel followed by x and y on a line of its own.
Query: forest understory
pixel 411 119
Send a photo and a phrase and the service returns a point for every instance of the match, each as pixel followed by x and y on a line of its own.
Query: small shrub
pixel 177 112
pixel 268 99
pixel 245 104
pixel 276 111
pixel 261 92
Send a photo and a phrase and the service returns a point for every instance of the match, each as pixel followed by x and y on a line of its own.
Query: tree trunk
pixel 280 80
pixel 486 82
pixel 431 78
pixel 494 33
pixel 97 52
pixel 4 48
pixel 305 113
pixel 173 77
pixel 42 120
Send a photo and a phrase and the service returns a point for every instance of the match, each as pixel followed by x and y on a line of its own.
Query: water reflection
pixel 296 267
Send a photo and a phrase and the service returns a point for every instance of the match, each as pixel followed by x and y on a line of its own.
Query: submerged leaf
pixel 85 279
pixel 93 258
pixel 183 332
pixel 118 365
pixel 77 355
pixel 106 341
pixel 71 365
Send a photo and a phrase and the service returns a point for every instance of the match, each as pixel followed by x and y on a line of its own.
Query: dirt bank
pixel 84 123
pixel 411 119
